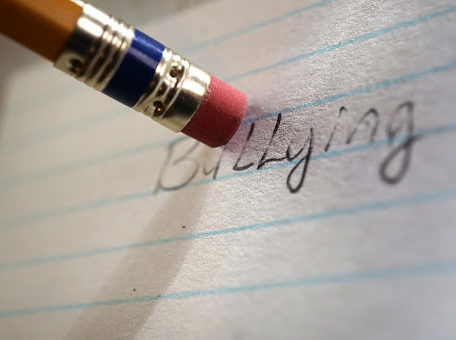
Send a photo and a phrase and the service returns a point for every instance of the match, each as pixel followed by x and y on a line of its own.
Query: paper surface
pixel 331 214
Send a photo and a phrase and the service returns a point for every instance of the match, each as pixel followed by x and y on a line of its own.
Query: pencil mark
pixel 236 166
pixel 402 119
pixel 304 160
pixel 176 163
pixel 365 121
pixel 331 136
pixel 263 161
pixel 215 169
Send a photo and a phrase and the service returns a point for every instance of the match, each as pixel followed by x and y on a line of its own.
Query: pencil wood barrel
pixel 56 20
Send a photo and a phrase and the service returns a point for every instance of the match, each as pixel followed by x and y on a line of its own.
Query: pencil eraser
pixel 219 115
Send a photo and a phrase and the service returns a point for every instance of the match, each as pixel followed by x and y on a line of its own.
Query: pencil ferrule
pixel 111 56
pixel 175 93
pixel 96 48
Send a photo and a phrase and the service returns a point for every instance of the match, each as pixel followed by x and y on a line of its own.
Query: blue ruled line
pixel 35 100
pixel 53 213
pixel 76 165
pixel 437 130
pixel 442 267
pixel 348 42
pixel 228 36
pixel 380 205
pixel 81 164
pixel 357 91
pixel 25 219
pixel 36 137
pixel 49 133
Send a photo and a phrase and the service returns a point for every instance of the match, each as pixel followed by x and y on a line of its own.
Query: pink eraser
pixel 219 115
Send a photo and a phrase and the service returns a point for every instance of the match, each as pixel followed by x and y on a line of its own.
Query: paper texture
pixel 331 214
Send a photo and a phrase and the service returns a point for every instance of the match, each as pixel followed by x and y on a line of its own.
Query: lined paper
pixel 329 215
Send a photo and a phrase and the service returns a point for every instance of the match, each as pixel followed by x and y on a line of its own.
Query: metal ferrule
pixel 96 48
pixel 175 93
pixel 101 45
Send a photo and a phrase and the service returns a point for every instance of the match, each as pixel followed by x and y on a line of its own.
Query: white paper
pixel 110 228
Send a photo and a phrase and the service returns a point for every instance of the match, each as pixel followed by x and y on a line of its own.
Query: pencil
pixel 126 64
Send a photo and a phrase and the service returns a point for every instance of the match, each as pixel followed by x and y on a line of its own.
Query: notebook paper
pixel 329 215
